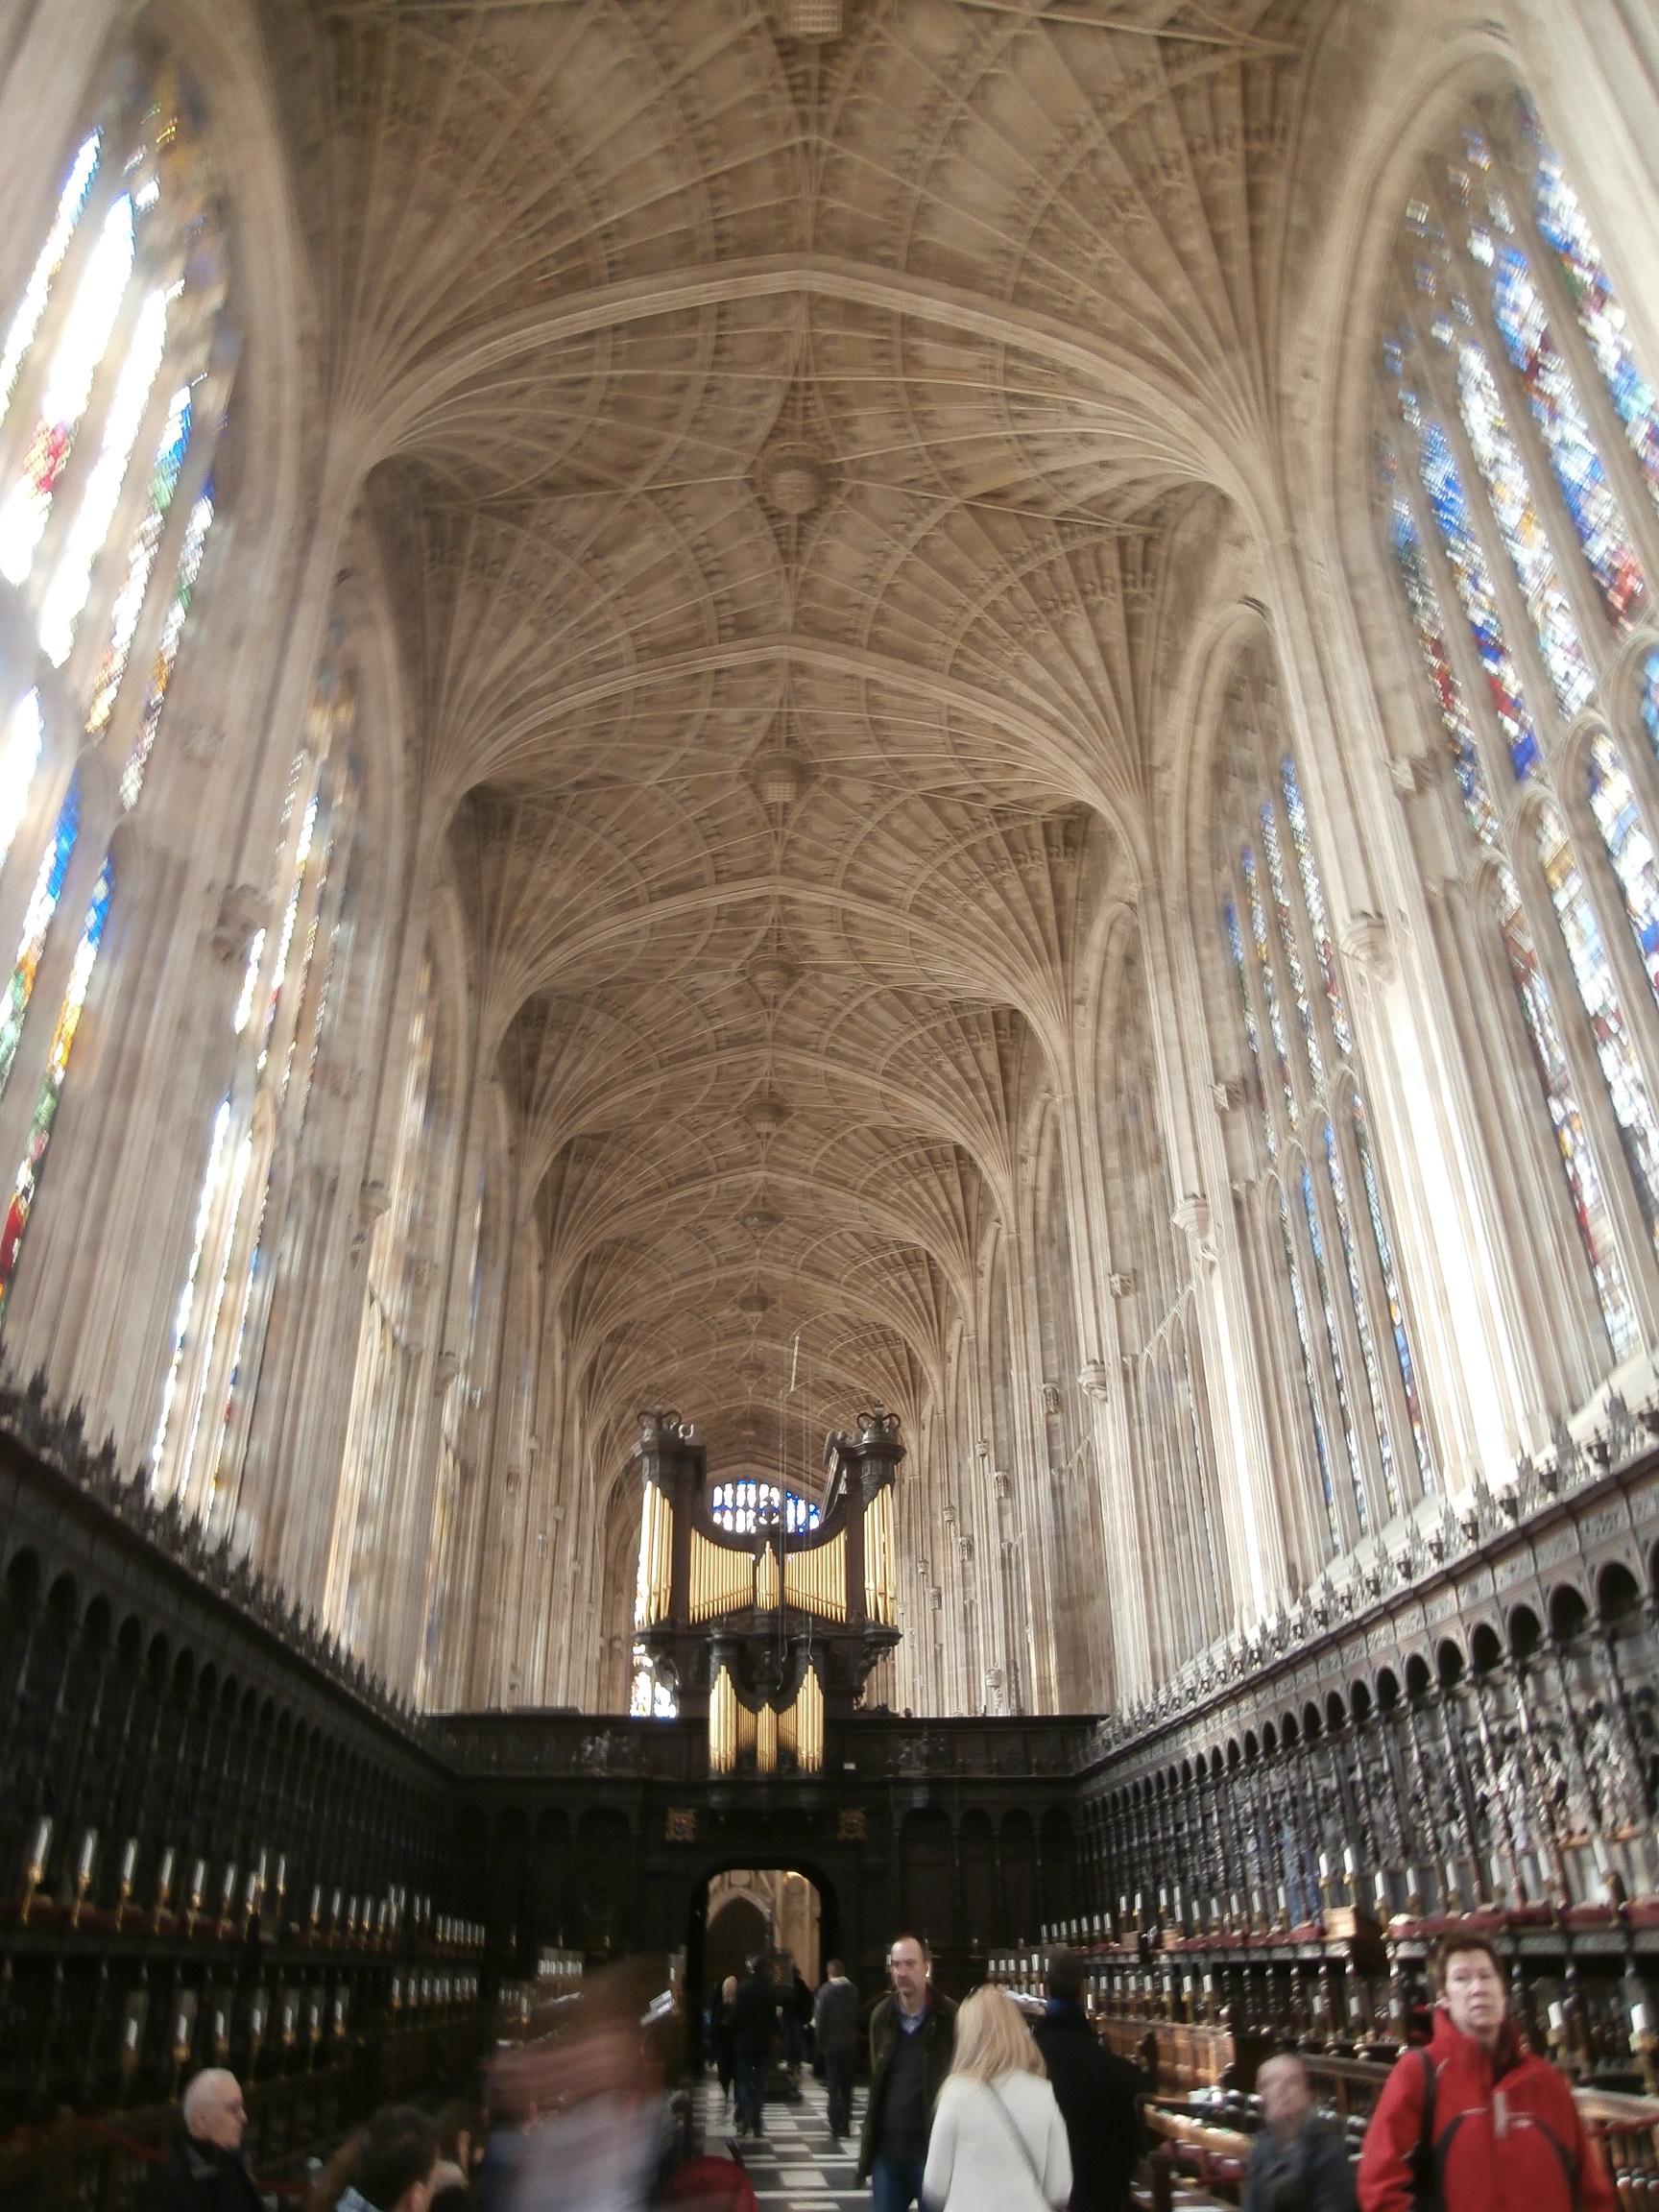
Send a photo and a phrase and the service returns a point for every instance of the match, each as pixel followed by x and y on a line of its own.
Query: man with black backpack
pixel 1478 2123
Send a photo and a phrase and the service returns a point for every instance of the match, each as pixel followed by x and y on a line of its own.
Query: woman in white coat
pixel 999 2143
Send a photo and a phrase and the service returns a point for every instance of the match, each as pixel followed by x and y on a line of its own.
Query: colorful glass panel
pixel 1299 1311
pixel 1525 541
pixel 1269 984
pixel 1381 1240
pixel 36 921
pixel 141 560
pixel 1428 624
pixel 68 388
pixel 1276 877
pixel 1615 1048
pixel 742 1508
pixel 28 1178
pixel 1630 850
pixel 190 554
pixel 1333 1340
pixel 1473 580
pixel 1559 414
pixel 1650 700
pixel 65 596
pixel 1361 1316
pixel 1313 899
pixel 19 757
pixel 26 321
pixel 1560 1098
pixel 1561 223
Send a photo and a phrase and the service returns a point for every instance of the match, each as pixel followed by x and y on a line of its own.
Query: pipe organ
pixel 770 1632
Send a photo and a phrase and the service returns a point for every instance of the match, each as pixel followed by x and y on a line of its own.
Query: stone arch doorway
pixel 717 1940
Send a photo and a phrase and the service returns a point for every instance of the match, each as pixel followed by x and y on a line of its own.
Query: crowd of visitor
pixel 976 2109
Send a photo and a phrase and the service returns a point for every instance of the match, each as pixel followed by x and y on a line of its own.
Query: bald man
pixel 206 2172
pixel 1298 2164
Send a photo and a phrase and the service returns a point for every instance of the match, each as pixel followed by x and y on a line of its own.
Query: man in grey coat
pixel 835 2026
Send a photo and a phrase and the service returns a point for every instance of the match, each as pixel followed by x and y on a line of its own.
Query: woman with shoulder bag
pixel 999 2143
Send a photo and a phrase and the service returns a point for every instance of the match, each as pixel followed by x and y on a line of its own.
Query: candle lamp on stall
pixel 1642 2041
pixel 85 1861
pixel 197 1884
pixel 316 1913
pixel 163 1888
pixel 35 1865
pixel 227 1901
pixel 124 1886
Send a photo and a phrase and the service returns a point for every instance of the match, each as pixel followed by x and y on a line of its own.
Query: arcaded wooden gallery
pixel 830 1095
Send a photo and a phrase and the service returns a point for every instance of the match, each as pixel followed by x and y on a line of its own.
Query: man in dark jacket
pixel 835 2026
pixel 912 2036
pixel 753 2020
pixel 1098 2093
pixel 1298 2164
pixel 206 2172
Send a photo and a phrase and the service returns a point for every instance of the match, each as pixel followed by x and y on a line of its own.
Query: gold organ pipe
pixel 801 1726
pixel 879 1593
pixel 815 1581
pixel 723 1710
pixel 658 1555
pixel 766 1741
pixel 766 1581
pixel 747 1729
pixel 722 1581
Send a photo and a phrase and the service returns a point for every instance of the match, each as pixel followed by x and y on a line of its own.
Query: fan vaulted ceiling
pixel 790 460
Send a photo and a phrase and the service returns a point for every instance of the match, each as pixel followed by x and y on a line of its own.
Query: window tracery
pixel 1331 1309
pixel 1519 465
pixel 277 1021
pixel 115 352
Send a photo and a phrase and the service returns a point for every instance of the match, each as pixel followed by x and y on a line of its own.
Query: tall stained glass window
pixel 1334 1308
pixel 111 393
pixel 1519 479
pixel 276 1020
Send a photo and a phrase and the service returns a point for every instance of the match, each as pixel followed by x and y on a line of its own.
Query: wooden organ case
pixel 770 1633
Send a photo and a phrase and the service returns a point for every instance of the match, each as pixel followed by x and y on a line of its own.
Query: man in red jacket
pixel 1500 2123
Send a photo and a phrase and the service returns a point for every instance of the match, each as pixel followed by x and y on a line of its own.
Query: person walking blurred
pixel 912 2034
pixel 754 2025
pixel 835 2028
pixel 999 2141
pixel 1097 2092
pixel 720 2035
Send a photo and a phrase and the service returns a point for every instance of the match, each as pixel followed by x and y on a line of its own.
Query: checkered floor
pixel 796 2167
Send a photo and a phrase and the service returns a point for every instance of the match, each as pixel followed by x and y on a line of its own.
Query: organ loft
pixel 926 732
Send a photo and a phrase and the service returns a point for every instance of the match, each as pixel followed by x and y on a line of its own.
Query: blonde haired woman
pixel 999 2143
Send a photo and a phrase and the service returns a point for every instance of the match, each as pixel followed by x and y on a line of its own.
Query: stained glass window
pixel 25 324
pixel 98 369
pixel 1561 221
pixel 1496 264
pixel 1624 833
pixel 742 1508
pixel 1335 1277
pixel 68 388
pixel 27 1177
pixel 1310 1380
pixel 1556 1074
pixel 36 921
